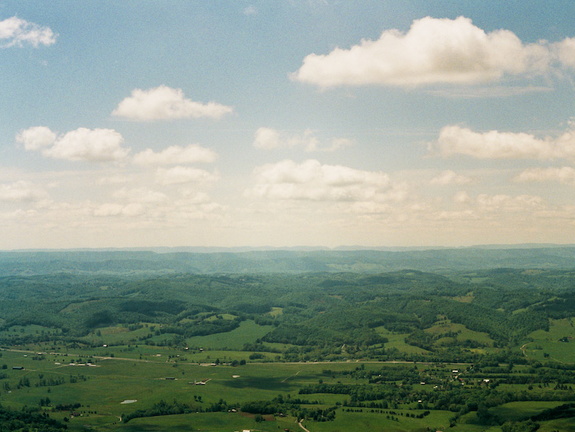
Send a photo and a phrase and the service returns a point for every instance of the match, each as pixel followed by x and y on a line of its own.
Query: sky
pixel 286 123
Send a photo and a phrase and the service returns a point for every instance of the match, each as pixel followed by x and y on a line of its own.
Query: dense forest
pixel 322 315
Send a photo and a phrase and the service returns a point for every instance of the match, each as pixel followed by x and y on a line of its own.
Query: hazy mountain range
pixel 296 260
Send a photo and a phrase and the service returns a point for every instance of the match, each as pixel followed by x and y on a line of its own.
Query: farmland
pixel 396 351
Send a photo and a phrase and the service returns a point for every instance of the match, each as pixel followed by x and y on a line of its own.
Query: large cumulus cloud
pixel 433 51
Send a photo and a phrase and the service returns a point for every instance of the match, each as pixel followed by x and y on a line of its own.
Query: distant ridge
pixel 240 249
pixel 135 262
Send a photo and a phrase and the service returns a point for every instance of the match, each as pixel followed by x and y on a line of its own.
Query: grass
pixel 397 341
pixel 368 421
pixel 119 335
pixel 276 311
pixel 463 333
pixel 557 344
pixel 247 332
pixel 209 422
pixel 563 425
pixel 516 411
pixel 27 330
pixel 140 372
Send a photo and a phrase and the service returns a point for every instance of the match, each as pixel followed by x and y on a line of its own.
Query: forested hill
pixel 282 261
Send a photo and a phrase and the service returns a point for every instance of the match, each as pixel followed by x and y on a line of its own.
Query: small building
pixel 18 367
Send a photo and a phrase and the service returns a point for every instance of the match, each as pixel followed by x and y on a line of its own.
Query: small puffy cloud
pixel 312 181
pixel 433 51
pixel 502 145
pixel 21 191
pixel 18 32
pixel 176 155
pixel 166 103
pixel 36 138
pixel 181 174
pixel 250 10
pixel 268 139
pixel 93 145
pixel 565 175
pixel 450 178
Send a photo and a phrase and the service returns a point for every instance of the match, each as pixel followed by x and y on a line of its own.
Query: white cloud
pixel 312 181
pixel 113 209
pixel 268 139
pixel 113 179
pixel 181 174
pixel 145 207
pixel 565 52
pixel 140 195
pixel 18 32
pixel 564 175
pixel 36 138
pixel 450 177
pixel 166 103
pixel 175 155
pixel 250 10
pixel 21 191
pixel 502 145
pixel 432 51
pixel 93 145
pixel 461 197
pixel 191 196
pixel 507 203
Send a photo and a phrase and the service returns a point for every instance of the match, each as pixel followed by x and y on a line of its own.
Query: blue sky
pixel 286 123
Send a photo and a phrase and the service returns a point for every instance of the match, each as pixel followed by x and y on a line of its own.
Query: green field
pixel 521 410
pixel 557 344
pixel 247 332
pixel 112 388
pixel 397 341
pixel 458 333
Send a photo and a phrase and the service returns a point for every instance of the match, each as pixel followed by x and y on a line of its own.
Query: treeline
pixel 28 420
pixel 359 393
pixel 160 408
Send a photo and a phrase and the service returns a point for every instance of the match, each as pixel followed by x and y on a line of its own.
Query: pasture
pixel 557 344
